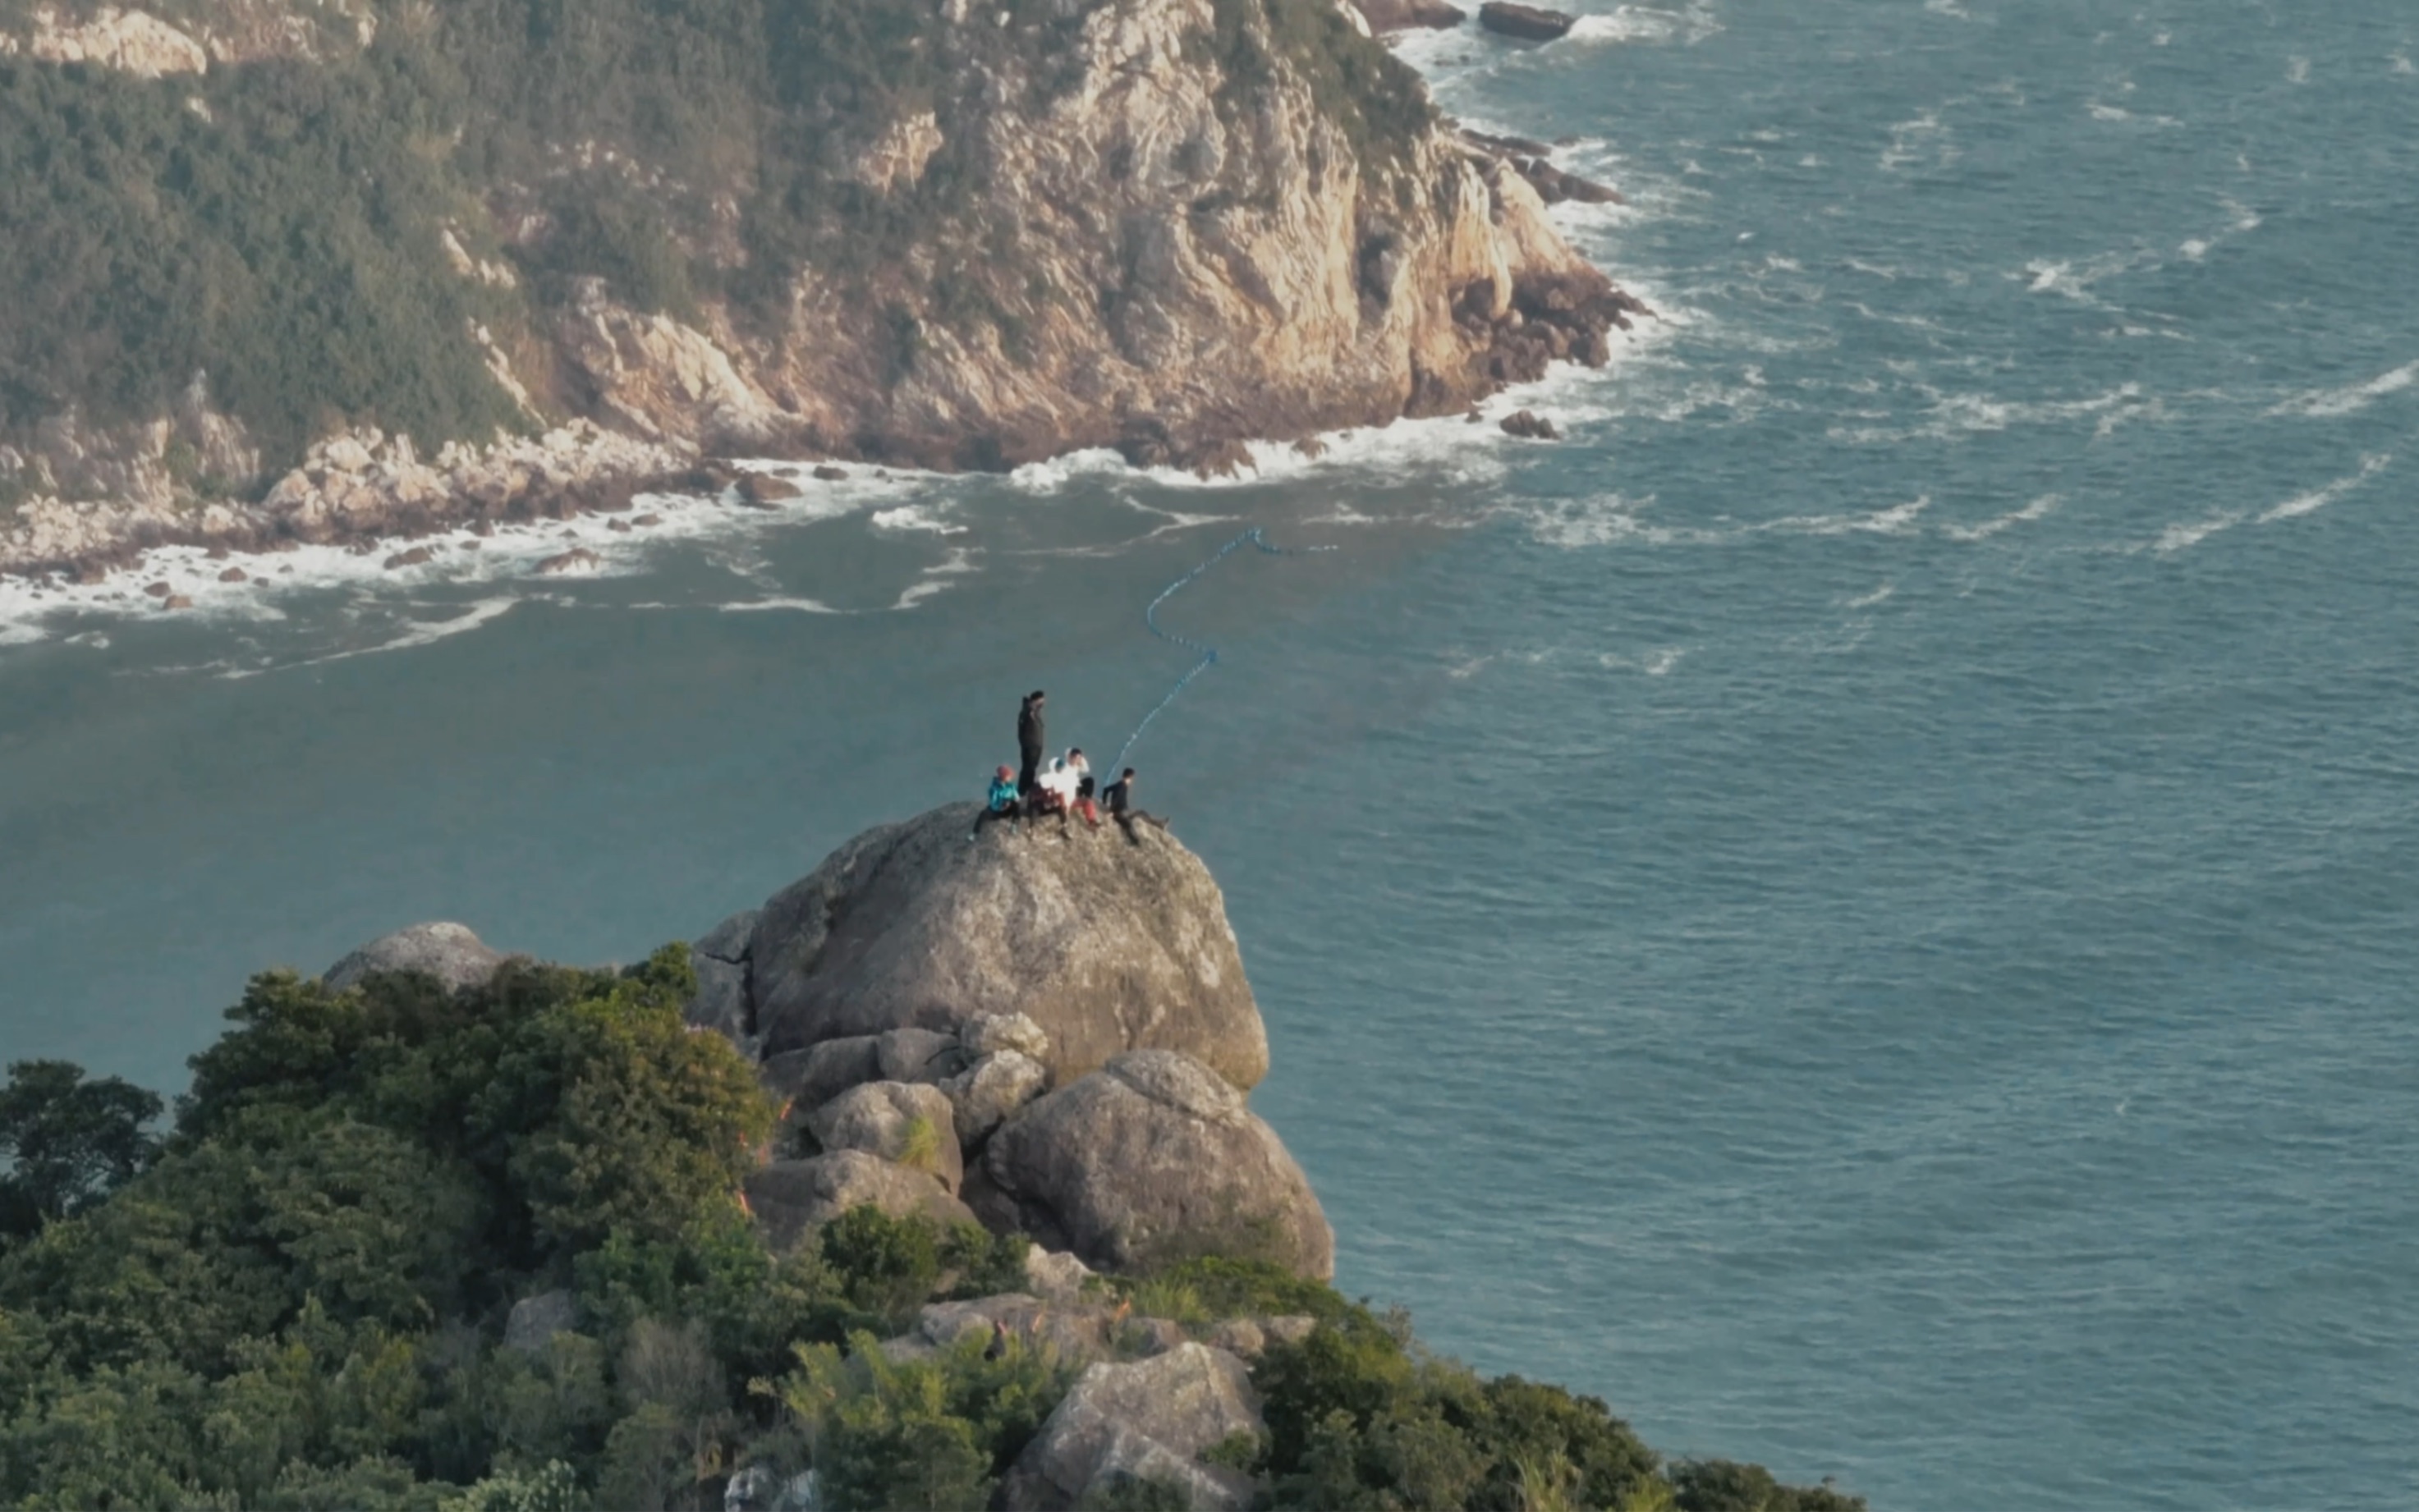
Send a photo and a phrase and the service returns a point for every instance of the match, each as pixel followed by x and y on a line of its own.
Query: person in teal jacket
pixel 1002 803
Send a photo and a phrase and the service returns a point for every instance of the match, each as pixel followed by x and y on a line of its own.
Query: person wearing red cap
pixel 1003 801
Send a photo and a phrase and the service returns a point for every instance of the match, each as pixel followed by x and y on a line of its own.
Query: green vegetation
pixel 279 224
pixel 297 1298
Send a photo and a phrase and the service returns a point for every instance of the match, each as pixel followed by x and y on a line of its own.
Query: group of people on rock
pixel 1063 785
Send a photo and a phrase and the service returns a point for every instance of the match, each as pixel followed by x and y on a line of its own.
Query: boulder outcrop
pixel 1104 946
pixel 1146 1420
pixel 1151 1160
pixel 791 1198
pixel 451 952
pixel 721 959
pixel 905 1124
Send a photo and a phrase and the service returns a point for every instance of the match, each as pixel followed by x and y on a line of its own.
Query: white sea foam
pixel 32 609
pixel 786 603
pixel 2038 508
pixel 2318 498
pixel 1657 663
pixel 1880 595
pixel 421 633
pixel 2297 69
pixel 1954 414
pixel 2403 66
pixel 2175 538
pixel 2194 250
pixel 915 517
pixel 2329 403
pixel 1922 141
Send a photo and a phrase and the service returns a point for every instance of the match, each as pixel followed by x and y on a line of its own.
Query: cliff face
pixel 1163 226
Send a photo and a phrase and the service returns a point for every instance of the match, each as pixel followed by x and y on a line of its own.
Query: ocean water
pixel 1861 908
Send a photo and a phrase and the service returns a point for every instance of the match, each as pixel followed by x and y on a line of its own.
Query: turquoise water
pixel 1861 908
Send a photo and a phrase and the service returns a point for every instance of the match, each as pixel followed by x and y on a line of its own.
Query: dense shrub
pixel 299 1302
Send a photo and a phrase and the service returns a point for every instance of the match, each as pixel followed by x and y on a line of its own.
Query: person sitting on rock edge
pixel 1002 802
pixel 1118 800
pixel 1028 742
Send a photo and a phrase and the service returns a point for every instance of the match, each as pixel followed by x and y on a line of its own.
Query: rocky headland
pixel 1164 226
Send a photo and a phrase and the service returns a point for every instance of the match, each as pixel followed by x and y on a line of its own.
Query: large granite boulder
pixel 1149 1160
pixel 1148 1420
pixel 907 1125
pixel 791 1199
pixel 810 1079
pixel 983 1095
pixel 721 958
pixel 448 951
pixel 1107 945
pixel 1385 16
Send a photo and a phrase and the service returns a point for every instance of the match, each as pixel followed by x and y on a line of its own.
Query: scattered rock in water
pixel 1144 1421
pixel 1555 187
pixel 1152 1159
pixel 1529 425
pixel 177 601
pixel 907 1124
pixel 791 1199
pixel 645 520
pixel 416 556
pixel 830 474
pixel 234 574
pixel 764 488
pixel 158 591
pixel 578 559
pixel 218 553
pixel 1529 23
pixel 449 952
pixel 483 527
pixel 620 526
pixel 1310 447
pixel 1106 946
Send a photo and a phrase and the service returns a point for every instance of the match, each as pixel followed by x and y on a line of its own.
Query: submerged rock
pixel 1151 1160
pixel 448 951
pixel 1106 946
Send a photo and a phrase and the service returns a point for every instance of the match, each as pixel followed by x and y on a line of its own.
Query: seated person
pixel 1118 800
pixel 1002 802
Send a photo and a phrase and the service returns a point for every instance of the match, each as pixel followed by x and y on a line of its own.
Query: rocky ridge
pixel 1194 267
pixel 1044 1031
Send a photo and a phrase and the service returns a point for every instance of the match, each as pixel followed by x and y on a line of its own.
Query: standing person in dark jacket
pixel 1028 742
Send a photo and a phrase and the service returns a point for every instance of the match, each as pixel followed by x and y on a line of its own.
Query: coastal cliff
pixel 457 262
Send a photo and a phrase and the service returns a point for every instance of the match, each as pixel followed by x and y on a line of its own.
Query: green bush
pixel 299 1302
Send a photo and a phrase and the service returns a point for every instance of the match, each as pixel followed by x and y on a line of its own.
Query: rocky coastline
pixel 1217 276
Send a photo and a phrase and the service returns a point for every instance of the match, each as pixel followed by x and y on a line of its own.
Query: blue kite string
pixel 1209 654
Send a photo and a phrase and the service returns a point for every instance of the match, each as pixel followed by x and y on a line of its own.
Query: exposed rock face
pixel 535 1319
pixel 983 1095
pixel 812 1078
pixel 1151 1160
pixel 907 1125
pixel 791 1198
pixel 1408 15
pixel 1529 23
pixel 1201 252
pixel 1105 946
pixel 448 951
pixel 1146 1420
pixel 721 959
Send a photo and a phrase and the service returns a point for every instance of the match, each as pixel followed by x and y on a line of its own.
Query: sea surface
pixel 1860 907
